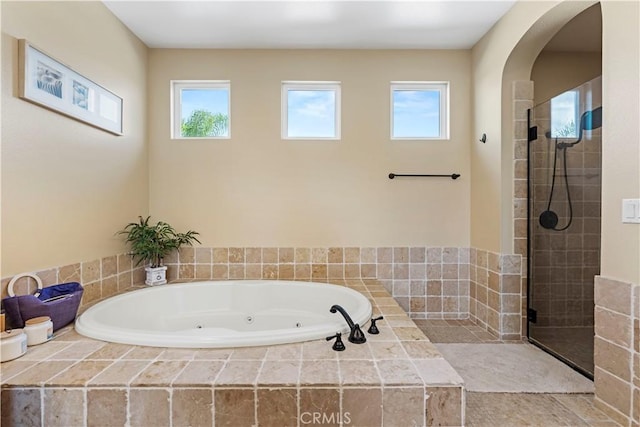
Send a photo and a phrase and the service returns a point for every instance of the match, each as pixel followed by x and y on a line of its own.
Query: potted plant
pixel 150 243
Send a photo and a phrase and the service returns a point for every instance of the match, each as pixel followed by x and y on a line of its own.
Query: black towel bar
pixel 452 176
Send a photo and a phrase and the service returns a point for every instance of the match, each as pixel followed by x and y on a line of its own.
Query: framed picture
pixel 51 84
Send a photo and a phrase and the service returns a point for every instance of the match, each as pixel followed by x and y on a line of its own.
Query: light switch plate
pixel 631 211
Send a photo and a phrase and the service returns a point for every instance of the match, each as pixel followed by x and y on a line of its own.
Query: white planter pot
pixel 156 276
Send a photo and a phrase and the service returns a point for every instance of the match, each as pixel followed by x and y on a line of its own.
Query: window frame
pixel 576 114
pixel 288 85
pixel 176 105
pixel 443 87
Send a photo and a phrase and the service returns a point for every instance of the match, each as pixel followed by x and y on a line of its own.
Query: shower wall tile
pixel 569 260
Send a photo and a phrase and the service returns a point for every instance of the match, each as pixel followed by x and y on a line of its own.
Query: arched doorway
pixel 620 271
pixel 564 191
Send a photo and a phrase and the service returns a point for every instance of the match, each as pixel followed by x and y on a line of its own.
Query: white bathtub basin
pixel 236 313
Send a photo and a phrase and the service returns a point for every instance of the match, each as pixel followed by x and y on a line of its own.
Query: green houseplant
pixel 150 243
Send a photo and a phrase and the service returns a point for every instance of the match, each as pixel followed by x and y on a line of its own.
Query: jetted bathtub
pixel 237 313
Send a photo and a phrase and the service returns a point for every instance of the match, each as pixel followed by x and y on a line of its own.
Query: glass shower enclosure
pixel 564 194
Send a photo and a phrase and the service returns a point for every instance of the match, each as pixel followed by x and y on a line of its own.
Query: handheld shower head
pixel 589 120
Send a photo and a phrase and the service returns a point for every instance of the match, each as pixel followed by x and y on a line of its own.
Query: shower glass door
pixel 564 223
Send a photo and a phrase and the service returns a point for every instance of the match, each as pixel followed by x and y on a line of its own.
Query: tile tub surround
pixel 395 378
pixel 617 350
pixel 101 278
pixel 427 282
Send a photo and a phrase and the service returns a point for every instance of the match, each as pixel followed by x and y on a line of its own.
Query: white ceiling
pixel 381 24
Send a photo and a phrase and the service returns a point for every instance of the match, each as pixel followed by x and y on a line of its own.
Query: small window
pixel 419 110
pixel 200 109
pixel 311 110
pixel 564 115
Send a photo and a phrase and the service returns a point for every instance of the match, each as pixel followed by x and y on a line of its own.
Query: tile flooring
pixel 513 409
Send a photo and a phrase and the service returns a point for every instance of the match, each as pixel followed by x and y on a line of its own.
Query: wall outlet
pixel 631 211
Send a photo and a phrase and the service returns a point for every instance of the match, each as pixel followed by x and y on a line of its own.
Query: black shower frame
pixel 532 135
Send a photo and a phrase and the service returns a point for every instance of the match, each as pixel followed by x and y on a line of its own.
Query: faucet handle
pixel 338 345
pixel 373 329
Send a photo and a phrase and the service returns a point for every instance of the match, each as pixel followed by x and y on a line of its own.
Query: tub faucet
pixel 356 336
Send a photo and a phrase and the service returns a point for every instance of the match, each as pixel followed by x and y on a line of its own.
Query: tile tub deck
pixel 397 378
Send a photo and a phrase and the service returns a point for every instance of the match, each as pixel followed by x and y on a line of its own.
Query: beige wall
pixel 258 190
pixel 557 72
pixel 620 133
pixel 621 153
pixel 63 181
pixel 66 186
pixel 505 54
pixel 620 138
pixel 489 57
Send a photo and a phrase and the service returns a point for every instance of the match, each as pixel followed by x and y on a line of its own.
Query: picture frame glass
pixel 53 85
